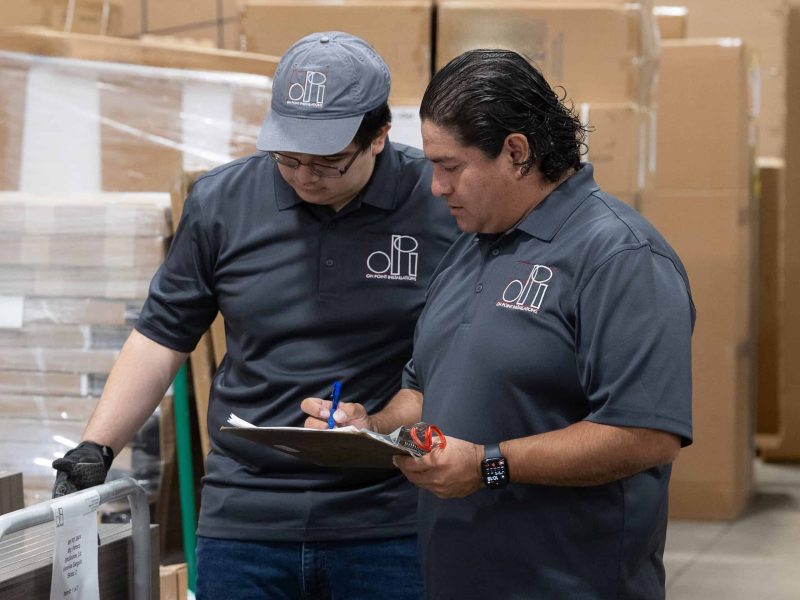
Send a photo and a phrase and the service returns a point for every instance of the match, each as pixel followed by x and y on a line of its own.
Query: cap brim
pixel 306 136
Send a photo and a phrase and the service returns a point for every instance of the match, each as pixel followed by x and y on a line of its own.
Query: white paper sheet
pixel 75 547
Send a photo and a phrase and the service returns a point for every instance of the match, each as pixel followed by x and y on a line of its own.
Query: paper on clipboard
pixel 340 447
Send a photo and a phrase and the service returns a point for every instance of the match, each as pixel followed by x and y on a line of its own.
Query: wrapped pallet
pixel 89 150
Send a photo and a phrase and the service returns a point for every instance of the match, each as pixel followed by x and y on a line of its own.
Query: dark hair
pixel 483 96
pixel 371 125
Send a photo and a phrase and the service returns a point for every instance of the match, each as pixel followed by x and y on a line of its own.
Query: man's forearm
pixel 405 408
pixel 587 453
pixel 137 383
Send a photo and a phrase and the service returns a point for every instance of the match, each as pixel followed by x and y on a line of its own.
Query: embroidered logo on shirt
pixel 397 260
pixel 527 295
pixel 307 88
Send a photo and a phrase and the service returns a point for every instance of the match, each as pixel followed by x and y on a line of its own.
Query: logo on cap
pixel 307 88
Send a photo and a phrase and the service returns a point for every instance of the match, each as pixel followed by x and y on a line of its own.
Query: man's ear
pixel 516 149
pixel 380 140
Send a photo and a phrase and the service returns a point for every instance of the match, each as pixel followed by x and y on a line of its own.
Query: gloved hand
pixel 84 466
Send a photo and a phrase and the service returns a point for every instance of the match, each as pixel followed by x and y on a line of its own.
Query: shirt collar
pixel 546 219
pixel 380 191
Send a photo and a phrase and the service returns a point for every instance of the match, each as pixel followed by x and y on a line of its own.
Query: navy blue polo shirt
pixel 580 312
pixel 309 296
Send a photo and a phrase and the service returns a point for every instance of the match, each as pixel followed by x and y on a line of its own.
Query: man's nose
pixel 440 186
pixel 304 174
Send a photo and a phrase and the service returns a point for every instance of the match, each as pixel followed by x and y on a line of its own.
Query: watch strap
pixel 492 451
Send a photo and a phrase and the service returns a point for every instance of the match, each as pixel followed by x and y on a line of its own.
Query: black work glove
pixel 84 466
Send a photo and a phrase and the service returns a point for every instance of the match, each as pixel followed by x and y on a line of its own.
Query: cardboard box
pixel 712 478
pixel 50 384
pixel 57 360
pixel 618 147
pixel 11 498
pixel 594 51
pixel 152 53
pixel 704 138
pixel 118 283
pixel 138 126
pixel 224 33
pixel 399 31
pixel 705 207
pixel 772 229
pixel 80 251
pixel 76 311
pixel 786 445
pixel 673 21
pixel 100 214
pixel 763 26
pixel 47 408
pixel 99 17
pixel 74 337
pixel 174 582
pixel 20 13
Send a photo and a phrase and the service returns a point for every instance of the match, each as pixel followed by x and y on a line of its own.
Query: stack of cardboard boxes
pixel 90 151
pixel 73 271
pixel 704 205
pixel 210 23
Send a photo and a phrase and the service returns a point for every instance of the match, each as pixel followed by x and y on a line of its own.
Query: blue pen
pixel 337 390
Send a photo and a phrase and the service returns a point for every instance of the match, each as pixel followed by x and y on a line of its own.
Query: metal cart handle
pixel 108 492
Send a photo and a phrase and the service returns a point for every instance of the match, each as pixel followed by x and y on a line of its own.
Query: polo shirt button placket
pixel 495 251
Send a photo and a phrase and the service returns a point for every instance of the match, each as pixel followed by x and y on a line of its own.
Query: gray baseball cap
pixel 321 89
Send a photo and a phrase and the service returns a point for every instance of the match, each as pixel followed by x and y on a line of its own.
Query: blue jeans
pixel 347 570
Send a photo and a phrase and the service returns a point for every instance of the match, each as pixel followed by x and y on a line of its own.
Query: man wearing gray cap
pixel 317 251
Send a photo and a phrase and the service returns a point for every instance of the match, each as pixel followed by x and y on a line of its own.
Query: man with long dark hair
pixel 553 352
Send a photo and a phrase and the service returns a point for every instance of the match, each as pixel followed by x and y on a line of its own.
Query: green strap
pixel 183 441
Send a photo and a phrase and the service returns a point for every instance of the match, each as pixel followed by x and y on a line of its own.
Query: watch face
pixel 495 472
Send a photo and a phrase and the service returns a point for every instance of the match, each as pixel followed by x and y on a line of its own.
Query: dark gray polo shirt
pixel 309 296
pixel 581 312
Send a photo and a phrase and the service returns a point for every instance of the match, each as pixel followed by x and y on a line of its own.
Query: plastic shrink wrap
pixel 89 151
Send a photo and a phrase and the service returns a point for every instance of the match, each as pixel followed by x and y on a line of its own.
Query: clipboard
pixel 341 447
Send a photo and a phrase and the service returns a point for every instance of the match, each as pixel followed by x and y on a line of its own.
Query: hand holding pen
pixel 321 411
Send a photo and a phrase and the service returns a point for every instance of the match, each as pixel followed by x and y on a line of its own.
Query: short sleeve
pixel 181 303
pixel 409 380
pixel 634 325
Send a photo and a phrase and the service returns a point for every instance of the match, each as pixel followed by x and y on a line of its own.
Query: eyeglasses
pixel 291 162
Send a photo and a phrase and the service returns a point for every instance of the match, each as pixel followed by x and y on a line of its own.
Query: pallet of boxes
pixel 94 132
